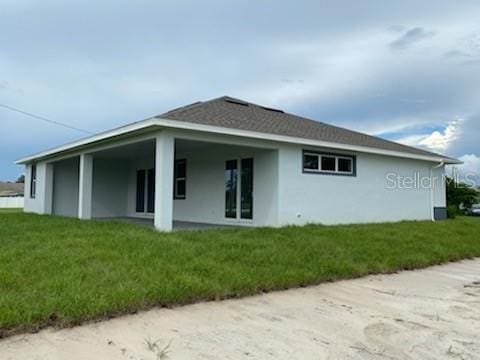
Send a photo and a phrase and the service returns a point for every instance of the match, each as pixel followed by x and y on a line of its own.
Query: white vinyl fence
pixel 11 202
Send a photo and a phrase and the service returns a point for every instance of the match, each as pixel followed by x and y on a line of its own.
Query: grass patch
pixel 10 210
pixel 60 271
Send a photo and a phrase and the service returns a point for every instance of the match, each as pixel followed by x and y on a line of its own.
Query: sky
pixel 408 71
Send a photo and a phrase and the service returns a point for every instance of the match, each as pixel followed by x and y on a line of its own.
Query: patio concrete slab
pixel 426 314
pixel 177 225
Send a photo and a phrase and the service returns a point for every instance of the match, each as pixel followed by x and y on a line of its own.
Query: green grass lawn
pixel 59 271
pixel 10 210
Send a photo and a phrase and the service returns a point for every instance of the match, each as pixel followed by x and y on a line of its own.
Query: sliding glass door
pixel 231 189
pixel 246 198
pixel 145 199
pixel 140 205
pixel 239 197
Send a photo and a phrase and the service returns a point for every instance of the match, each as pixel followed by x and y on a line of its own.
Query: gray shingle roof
pixel 238 114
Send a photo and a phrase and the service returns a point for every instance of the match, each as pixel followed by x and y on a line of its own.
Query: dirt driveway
pixel 426 314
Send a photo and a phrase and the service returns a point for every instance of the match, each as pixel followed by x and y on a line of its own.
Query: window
pixel 246 197
pixel 323 163
pixel 239 196
pixel 140 205
pixel 328 163
pixel 345 165
pixel 231 189
pixel 145 199
pixel 310 162
pixel 33 181
pixel 180 182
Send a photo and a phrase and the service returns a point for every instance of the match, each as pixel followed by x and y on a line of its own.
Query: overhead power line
pixel 38 117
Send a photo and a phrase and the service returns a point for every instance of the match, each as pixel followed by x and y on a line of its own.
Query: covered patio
pixel 169 183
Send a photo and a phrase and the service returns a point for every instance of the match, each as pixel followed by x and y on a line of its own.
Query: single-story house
pixel 231 162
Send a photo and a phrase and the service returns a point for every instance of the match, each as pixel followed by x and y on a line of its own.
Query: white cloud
pixel 438 141
pixel 471 162
pixel 441 141
pixel 469 171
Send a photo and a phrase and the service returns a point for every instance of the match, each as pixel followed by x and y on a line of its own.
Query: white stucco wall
pixel 440 189
pixel 110 188
pixel 330 199
pixel 265 196
pixel 42 202
pixel 65 187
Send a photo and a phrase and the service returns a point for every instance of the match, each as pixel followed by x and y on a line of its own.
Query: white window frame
pixel 238 218
pixel 320 159
pixel 345 158
pixel 337 157
pixel 306 153
pixel 177 179
pixel 146 184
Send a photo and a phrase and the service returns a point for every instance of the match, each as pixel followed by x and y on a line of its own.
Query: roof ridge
pixel 196 103
pixel 183 107
pixel 245 102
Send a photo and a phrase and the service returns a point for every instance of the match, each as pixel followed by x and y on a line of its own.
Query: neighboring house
pixel 11 195
pixel 227 161
pixel 11 189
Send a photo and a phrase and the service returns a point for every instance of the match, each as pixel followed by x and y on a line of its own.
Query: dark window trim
pixel 175 178
pixel 336 173
pixel 145 191
pixel 140 192
pixel 150 179
pixel 33 181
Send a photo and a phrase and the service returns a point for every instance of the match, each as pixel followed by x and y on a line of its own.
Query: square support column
pixel 85 187
pixel 164 162
pixel 48 191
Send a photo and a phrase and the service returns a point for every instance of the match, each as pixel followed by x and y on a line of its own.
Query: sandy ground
pixel 426 314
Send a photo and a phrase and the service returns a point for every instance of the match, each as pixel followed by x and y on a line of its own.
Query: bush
pixel 460 193
pixel 452 211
